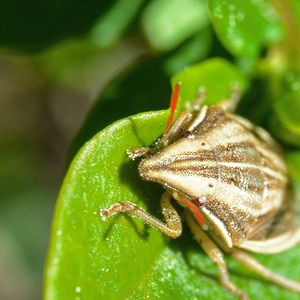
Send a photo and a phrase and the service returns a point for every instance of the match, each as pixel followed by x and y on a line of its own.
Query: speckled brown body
pixel 237 168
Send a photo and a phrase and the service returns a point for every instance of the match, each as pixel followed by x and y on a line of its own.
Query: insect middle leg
pixel 171 228
pixel 216 255
pixel 254 265
pixel 231 103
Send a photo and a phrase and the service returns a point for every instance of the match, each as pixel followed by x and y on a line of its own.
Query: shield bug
pixel 231 177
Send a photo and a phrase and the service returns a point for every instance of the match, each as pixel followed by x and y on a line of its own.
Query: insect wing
pixel 278 232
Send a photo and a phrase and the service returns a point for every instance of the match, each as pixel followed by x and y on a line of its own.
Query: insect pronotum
pixel 231 177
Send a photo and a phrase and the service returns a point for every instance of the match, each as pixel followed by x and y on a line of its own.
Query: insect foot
pixel 116 208
pixel 171 227
pixel 135 153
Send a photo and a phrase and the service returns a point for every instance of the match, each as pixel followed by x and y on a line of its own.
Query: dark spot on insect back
pixel 203 144
pixel 268 185
pixel 210 185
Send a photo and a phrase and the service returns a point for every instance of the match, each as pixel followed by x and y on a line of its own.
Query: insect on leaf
pixel 121 258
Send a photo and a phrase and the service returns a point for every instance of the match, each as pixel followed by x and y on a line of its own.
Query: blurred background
pixel 69 68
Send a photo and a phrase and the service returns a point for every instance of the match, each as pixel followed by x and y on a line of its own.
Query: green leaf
pixel 121 258
pixel 285 135
pixel 245 26
pixel 287 104
pixel 194 50
pixel 110 27
pixel 85 251
pixel 217 76
pixel 293 159
pixel 167 23
pixel 295 7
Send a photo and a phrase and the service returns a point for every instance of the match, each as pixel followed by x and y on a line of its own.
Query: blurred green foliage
pixel 167 23
pixel 123 53
pixel 216 77
pixel 245 26
pixel 112 25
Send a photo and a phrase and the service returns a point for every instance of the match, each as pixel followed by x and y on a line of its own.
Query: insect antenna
pixel 173 105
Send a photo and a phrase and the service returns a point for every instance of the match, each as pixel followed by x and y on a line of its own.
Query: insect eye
pixel 188 135
pixel 199 201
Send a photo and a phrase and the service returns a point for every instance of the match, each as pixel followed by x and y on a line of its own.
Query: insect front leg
pixel 254 265
pixel 216 255
pixel 174 132
pixel 171 228
pixel 139 152
pixel 177 129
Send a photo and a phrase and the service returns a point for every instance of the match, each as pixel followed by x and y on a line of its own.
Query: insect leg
pixel 254 265
pixel 231 103
pixel 171 228
pixel 177 128
pixel 172 132
pixel 139 152
pixel 198 119
pixel 216 255
pixel 184 120
pixel 195 106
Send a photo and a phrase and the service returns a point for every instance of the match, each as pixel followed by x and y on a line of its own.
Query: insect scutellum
pixel 231 177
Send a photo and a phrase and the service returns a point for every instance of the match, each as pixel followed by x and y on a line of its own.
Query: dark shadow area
pixel 144 87
pixel 186 244
pixel 148 192
pixel 218 50
pixel 259 101
pixel 34 25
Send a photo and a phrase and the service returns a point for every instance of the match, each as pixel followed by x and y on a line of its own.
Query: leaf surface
pixel 245 26
pixel 167 23
pixel 216 76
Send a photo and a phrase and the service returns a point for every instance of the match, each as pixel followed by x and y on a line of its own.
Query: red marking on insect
pixel 173 105
pixel 194 209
